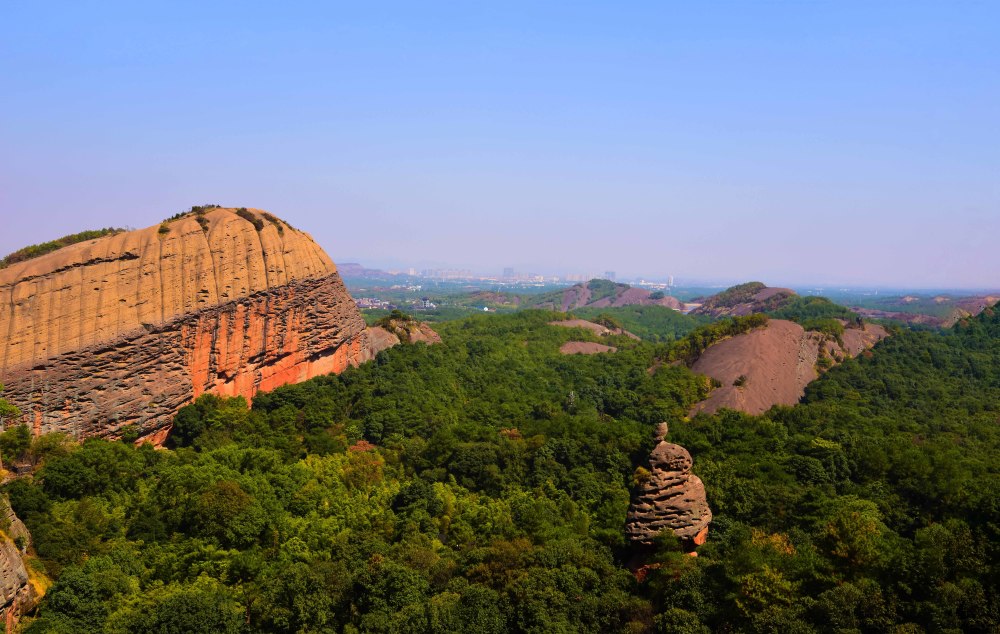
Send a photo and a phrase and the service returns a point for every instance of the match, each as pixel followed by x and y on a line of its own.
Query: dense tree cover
pixel 601 288
pixel 480 485
pixel 871 505
pixel 36 250
pixel 652 323
pixel 476 485
pixel 432 315
pixel 804 309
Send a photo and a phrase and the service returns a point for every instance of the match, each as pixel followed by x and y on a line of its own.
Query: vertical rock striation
pixel 126 329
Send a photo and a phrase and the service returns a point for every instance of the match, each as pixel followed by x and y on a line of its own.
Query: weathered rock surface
pixel 17 594
pixel 672 498
pixel 585 347
pixel 597 329
pixel 393 331
pixel 773 365
pixel 126 329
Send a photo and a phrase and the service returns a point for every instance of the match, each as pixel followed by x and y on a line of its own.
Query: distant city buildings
pixel 448 274
pixel 510 275
pixel 373 302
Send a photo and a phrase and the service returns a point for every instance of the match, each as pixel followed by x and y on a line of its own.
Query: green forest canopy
pixel 481 485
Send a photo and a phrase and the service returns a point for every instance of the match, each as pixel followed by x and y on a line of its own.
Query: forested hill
pixel 873 504
pixel 481 485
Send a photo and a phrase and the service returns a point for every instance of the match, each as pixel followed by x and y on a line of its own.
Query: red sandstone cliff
pixel 127 328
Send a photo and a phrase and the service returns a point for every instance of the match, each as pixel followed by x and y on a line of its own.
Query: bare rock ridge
pixel 603 294
pixel 672 498
pixel 774 364
pixel 742 300
pixel 597 329
pixel 127 328
pixel 585 347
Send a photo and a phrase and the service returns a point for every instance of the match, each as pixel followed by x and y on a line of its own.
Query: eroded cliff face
pixel 17 594
pixel 127 329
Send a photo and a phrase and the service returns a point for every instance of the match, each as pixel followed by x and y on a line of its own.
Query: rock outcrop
pixel 597 329
pixel 671 498
pixel 17 594
pixel 126 329
pixel 742 300
pixel 773 365
pixel 390 331
pixel 585 347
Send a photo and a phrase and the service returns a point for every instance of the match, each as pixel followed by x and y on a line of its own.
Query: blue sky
pixel 793 142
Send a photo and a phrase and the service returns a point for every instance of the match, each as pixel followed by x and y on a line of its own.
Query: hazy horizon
pixel 837 144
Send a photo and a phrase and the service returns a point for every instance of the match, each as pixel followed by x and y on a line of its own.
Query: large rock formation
pixel 671 498
pixel 128 328
pixel 17 594
pixel 773 365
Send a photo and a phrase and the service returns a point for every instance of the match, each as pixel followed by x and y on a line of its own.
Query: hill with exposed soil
pixel 744 299
pixel 602 294
pixel 774 364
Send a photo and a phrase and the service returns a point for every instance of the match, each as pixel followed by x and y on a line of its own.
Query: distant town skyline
pixel 847 143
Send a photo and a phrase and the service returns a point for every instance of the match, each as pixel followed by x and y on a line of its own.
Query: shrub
pixel 274 220
pixel 36 250
pixel 247 215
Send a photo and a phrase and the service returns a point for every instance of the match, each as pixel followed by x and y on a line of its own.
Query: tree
pixel 7 410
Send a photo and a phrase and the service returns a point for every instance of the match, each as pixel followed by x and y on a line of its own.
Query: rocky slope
pixel 597 329
pixel 17 594
pixel 602 294
pixel 670 498
pixel 389 332
pixel 773 365
pixel 585 347
pixel 743 299
pixel 128 328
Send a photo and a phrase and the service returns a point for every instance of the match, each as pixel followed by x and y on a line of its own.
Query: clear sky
pixel 793 142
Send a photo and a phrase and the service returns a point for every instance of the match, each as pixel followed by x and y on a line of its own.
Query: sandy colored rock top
pixel 101 289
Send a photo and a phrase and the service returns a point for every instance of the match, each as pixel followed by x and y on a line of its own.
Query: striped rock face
pixel 126 329
pixel 671 499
